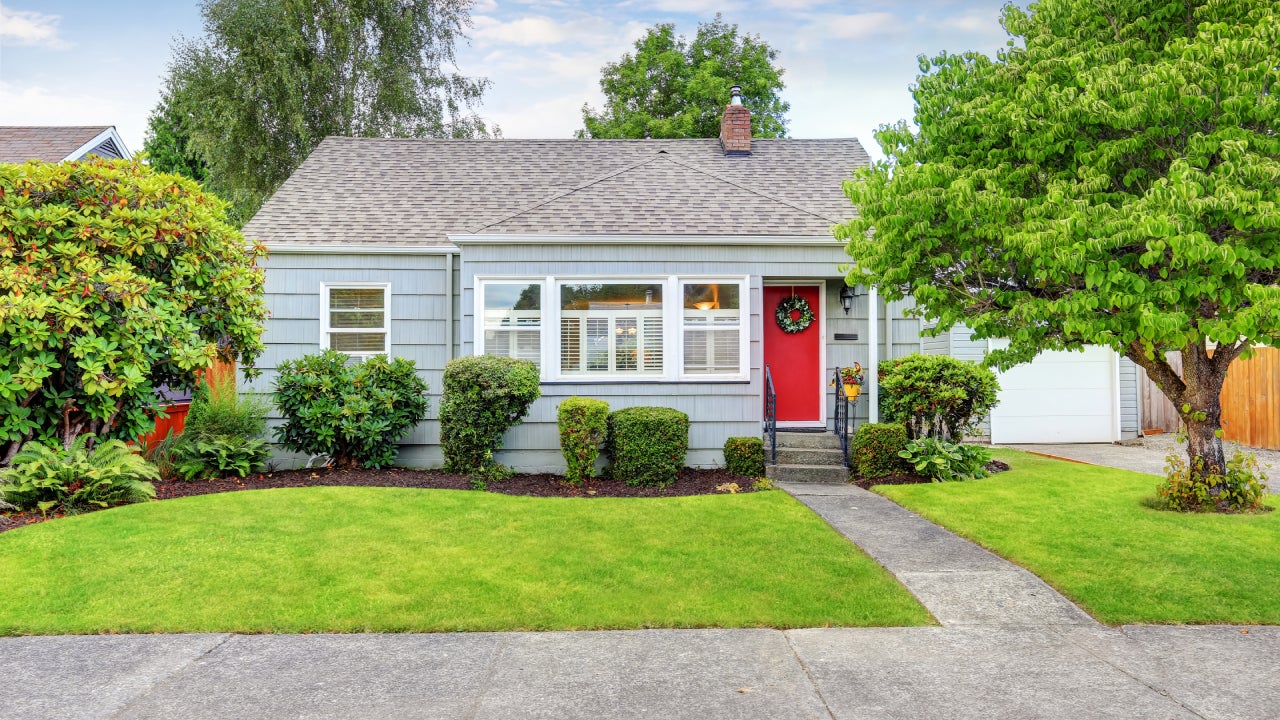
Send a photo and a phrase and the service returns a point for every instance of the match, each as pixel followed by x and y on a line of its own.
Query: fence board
pixel 1250 400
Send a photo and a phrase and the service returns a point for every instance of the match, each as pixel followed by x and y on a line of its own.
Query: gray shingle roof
pixel 47 143
pixel 416 192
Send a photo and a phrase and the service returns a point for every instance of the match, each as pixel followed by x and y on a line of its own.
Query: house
pixel 58 143
pixel 640 272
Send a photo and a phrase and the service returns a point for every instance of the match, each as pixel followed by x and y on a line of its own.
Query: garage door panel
pixel 1060 397
pixel 1059 376
pixel 1032 402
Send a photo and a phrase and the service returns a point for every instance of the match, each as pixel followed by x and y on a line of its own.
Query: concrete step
pixel 806 440
pixel 810 456
pixel 807 473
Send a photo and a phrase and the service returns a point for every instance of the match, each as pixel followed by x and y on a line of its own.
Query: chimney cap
pixel 735 95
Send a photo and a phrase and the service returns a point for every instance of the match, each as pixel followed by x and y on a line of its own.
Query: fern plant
pixel 78 478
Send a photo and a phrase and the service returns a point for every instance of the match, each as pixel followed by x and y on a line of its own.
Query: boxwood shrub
pixel 583 422
pixel 647 445
pixel 355 413
pixel 874 451
pixel 744 456
pixel 484 396
pixel 936 396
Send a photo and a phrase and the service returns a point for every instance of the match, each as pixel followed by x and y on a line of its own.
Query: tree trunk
pixel 1197 395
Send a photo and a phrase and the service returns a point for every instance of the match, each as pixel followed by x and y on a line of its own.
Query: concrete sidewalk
pixel 1008 647
pixel 1067 672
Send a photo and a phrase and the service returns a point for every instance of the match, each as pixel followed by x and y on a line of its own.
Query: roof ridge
pixel 567 192
pixel 754 191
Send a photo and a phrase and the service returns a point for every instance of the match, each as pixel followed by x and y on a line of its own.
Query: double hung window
pixel 357 318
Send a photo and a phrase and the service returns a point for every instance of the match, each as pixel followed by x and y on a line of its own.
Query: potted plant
pixel 851 378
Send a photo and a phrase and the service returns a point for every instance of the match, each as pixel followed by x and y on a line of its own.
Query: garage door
pixel 1060 397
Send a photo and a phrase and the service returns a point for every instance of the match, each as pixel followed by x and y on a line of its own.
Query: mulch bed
pixel 690 482
pixel 993 467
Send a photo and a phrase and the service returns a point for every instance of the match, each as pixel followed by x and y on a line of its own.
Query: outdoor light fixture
pixel 847 294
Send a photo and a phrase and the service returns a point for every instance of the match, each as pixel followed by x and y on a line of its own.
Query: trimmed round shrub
pixel 874 450
pixel 584 423
pixel 647 445
pixel 353 413
pixel 744 456
pixel 484 396
pixel 936 396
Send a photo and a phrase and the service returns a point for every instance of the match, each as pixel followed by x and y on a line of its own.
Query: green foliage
pixel 583 424
pixel 744 456
pixel 221 435
pixel 762 484
pixel 219 456
pixel 167 143
pixel 647 445
pixel 936 396
pixel 1187 488
pixel 352 413
pixel 77 478
pixel 114 281
pixel 875 449
pixel 484 396
pixel 942 461
pixel 269 80
pixel 676 88
pixel 1111 178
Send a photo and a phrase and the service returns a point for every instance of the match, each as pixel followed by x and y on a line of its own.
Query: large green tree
pixel 115 280
pixel 270 79
pixel 1111 178
pixel 168 144
pixel 673 87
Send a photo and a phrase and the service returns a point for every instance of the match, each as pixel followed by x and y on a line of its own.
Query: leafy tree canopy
pixel 270 79
pixel 115 279
pixel 167 143
pixel 676 88
pixel 1112 177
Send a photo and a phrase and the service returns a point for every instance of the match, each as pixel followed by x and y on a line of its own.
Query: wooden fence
pixel 1250 400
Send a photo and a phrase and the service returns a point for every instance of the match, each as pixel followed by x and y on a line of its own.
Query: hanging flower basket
pixel 851 378
pixel 797 306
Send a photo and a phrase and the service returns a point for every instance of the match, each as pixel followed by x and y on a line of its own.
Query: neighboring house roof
pixel 57 143
pixel 354 191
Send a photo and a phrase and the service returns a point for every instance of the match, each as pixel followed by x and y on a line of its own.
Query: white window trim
pixel 672 325
pixel 326 331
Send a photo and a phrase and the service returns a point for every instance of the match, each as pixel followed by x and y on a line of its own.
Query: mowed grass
pixel 1085 531
pixel 343 559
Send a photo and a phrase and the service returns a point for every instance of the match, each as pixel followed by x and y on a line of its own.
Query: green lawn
pixel 1084 530
pixel 386 559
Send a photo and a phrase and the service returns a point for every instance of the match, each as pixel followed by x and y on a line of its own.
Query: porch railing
pixel 770 416
pixel 843 417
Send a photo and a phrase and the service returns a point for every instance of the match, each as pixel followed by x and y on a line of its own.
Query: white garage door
pixel 1060 397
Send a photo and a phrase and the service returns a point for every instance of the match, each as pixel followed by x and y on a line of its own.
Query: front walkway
pixel 1008 647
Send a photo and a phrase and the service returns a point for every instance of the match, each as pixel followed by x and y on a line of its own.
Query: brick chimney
pixel 735 125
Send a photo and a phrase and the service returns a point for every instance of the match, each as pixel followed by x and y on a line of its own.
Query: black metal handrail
pixel 843 417
pixel 771 415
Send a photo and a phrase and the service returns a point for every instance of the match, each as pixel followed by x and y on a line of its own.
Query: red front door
pixel 794 359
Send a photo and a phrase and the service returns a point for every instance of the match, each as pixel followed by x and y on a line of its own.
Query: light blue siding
pixel 418 329
pixel 717 410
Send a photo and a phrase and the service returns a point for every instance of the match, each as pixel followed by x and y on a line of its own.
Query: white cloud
pixel 38 105
pixel 860 26
pixel 28 27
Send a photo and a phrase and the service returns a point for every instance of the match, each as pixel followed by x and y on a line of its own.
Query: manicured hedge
pixel 647 445
pixel 875 447
pixel 936 396
pixel 744 456
pixel 584 423
pixel 484 396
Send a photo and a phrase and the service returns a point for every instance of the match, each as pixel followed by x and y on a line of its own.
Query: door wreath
pixel 796 304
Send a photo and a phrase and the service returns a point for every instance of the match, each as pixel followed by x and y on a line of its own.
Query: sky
pixel 848 64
